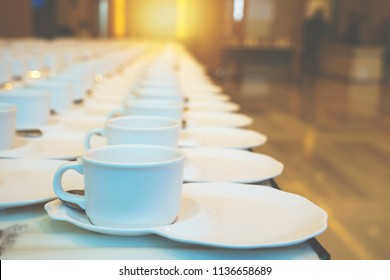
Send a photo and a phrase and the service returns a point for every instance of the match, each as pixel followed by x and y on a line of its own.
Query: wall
pixel 15 18
pixel 371 12
pixel 313 5
pixel 273 20
pixel 79 15
pixel 197 24
pixel 228 29
pixel 103 18
pixel 204 31
pixel 151 18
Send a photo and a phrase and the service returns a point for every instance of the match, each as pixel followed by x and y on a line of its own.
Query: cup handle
pixel 58 188
pixel 115 113
pixel 92 132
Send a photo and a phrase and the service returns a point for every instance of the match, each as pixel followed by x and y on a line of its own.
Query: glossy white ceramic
pixel 226 215
pixel 149 130
pixel 128 185
pixel 29 181
pixel 7 125
pixel 153 107
pixel 221 137
pixel 33 106
pixel 61 93
pixel 228 165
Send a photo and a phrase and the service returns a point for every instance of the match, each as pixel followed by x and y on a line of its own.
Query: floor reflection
pixel 333 137
pixel 384 99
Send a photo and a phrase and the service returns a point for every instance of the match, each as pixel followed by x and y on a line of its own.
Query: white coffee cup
pixel 33 106
pixel 7 125
pixel 151 107
pixel 128 186
pixel 138 130
pixel 5 72
pixel 61 93
pixel 18 68
pixel 79 82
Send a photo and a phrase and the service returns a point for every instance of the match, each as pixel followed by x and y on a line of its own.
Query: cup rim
pixel 7 107
pixel 154 103
pixel 86 156
pixel 48 84
pixel 173 123
pixel 26 93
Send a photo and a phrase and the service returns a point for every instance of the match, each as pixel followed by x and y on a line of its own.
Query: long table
pixel 29 233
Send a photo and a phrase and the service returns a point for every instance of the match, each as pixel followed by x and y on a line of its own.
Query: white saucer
pixel 99 96
pixel 221 137
pixel 217 119
pixel 207 97
pixel 79 121
pixel 59 145
pixel 64 145
pixel 20 147
pixel 91 107
pixel 102 108
pixel 29 181
pixel 51 125
pixel 228 165
pixel 226 215
pixel 214 106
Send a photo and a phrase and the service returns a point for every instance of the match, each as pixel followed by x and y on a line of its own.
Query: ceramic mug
pixel 151 107
pixel 61 93
pixel 78 81
pixel 138 130
pixel 5 72
pixel 7 125
pixel 128 186
pixel 33 106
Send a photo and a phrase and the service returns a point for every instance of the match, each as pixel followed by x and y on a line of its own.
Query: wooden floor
pixel 334 140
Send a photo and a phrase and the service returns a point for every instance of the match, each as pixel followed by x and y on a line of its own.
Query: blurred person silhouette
pixel 385 41
pixel 314 30
pixel 63 31
pixel 384 97
pixel 84 30
pixel 352 35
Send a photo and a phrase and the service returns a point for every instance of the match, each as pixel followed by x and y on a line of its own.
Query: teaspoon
pixel 32 133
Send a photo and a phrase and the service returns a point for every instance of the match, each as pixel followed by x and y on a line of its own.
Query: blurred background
pixel 208 29
pixel 314 75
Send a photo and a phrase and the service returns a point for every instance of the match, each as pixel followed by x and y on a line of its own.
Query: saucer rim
pixel 166 231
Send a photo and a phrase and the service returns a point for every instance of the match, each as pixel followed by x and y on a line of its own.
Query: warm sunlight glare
pixel 120 18
pixel 182 8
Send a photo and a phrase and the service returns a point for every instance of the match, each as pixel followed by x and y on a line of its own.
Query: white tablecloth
pixel 29 233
